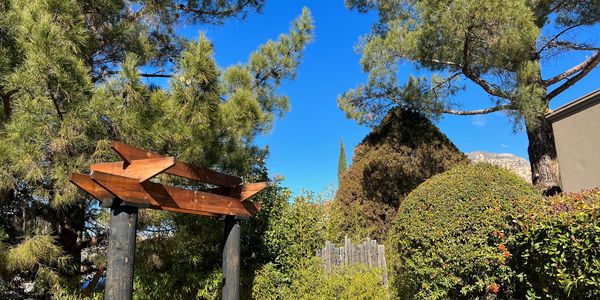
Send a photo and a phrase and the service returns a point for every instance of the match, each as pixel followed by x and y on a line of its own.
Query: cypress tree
pixel 400 153
pixel 342 163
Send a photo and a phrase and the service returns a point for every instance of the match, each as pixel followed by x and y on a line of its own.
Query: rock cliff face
pixel 509 161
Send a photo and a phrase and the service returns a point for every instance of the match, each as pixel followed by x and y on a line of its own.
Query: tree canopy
pixel 73 77
pixel 498 46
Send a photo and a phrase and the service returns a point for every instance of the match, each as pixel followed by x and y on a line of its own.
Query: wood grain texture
pixel 231 259
pixel 250 189
pixel 128 154
pixel 130 190
pixel 107 198
pixel 367 253
pixel 121 253
pixel 140 169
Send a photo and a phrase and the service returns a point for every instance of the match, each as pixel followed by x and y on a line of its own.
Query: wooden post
pixel 231 259
pixel 121 253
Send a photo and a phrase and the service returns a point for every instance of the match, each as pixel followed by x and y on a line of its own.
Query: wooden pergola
pixel 125 186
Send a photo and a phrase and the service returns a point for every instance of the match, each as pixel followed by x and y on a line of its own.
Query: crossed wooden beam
pixel 129 182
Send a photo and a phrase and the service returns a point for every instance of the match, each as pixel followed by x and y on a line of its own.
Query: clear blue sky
pixel 304 146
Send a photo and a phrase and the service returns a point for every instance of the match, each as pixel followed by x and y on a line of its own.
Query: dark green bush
pixel 398 155
pixel 449 237
pixel 558 256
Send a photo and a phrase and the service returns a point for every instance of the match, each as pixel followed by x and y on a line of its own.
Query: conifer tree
pixel 501 47
pixel 74 75
pixel 342 163
pixel 400 153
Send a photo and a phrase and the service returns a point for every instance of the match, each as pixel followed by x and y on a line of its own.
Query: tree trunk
pixel 542 156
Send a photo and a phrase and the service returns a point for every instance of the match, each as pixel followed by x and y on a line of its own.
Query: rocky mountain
pixel 512 162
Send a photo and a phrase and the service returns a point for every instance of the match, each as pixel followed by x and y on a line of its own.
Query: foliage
pixel 558 256
pixel 37 254
pixel 73 75
pixel 185 263
pixel 295 232
pixel 312 282
pixel 449 239
pixel 399 154
pixel 347 282
pixel 36 249
pixel 342 162
pixel 271 283
pixel 499 47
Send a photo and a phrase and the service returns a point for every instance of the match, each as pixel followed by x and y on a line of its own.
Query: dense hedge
pixel 558 256
pixel 397 156
pixel 449 237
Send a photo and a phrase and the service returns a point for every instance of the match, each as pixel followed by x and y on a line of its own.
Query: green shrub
pixel 312 282
pixel 398 155
pixel 448 240
pixel 294 233
pixel 558 257
pixel 347 282
pixel 270 283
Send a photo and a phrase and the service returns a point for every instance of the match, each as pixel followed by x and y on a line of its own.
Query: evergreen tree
pixel 403 151
pixel 499 46
pixel 71 80
pixel 342 163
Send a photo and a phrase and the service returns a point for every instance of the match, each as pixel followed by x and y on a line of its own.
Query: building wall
pixel 577 138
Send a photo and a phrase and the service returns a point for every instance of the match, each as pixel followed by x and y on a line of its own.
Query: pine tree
pixel 342 163
pixel 500 47
pixel 71 80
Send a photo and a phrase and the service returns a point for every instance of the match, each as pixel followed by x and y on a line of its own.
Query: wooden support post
pixel 121 253
pixel 231 259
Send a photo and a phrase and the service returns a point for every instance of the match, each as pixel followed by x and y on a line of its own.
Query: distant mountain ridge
pixel 514 163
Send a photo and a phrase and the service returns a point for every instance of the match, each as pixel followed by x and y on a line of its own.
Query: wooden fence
pixel 367 253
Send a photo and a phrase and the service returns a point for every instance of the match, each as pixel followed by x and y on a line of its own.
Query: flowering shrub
pixel 452 234
pixel 558 256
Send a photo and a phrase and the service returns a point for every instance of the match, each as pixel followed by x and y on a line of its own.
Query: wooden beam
pixel 140 169
pixel 250 189
pixel 242 192
pixel 181 169
pixel 130 190
pixel 86 183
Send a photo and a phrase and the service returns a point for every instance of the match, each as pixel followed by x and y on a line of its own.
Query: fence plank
pixel 367 253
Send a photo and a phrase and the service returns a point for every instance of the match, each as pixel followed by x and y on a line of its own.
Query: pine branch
pixel 149 75
pixel 558 35
pixel 469 73
pixel 573 46
pixel 584 68
pixel 477 111
pixel 60 115
pixel 217 13
pixel 568 73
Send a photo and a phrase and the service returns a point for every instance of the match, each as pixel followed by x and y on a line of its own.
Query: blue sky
pixel 304 145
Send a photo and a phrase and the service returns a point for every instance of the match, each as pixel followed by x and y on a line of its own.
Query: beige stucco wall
pixel 577 139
